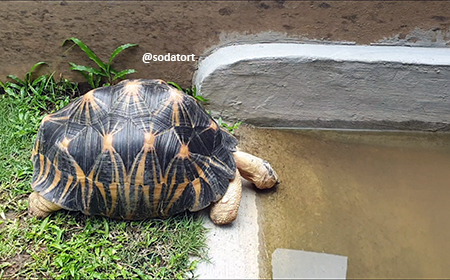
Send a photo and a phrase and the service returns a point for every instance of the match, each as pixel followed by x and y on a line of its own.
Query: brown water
pixel 381 199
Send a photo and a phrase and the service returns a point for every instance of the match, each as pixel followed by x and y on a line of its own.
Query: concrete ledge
pixel 233 248
pixel 329 86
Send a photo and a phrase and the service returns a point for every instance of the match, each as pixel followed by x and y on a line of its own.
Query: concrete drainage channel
pixel 314 86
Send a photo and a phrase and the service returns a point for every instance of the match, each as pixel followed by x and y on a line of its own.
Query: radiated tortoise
pixel 136 150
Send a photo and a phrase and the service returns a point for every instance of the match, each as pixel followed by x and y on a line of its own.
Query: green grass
pixel 69 245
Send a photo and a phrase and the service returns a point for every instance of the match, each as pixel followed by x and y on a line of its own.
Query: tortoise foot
pixel 39 207
pixel 226 209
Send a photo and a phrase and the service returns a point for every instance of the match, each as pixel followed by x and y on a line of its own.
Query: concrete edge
pixel 233 249
pixel 229 55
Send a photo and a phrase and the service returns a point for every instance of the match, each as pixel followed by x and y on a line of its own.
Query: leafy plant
pixel 193 92
pixel 230 128
pixel 190 91
pixel 95 76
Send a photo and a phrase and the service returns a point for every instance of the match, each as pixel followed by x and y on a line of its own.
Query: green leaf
pixel 39 79
pixel 106 225
pixel 123 73
pixel 43 226
pixel 11 85
pixel 15 78
pixel 23 93
pixel 120 49
pixel 88 52
pixel 72 270
pixel 85 75
pixel 175 85
pixel 112 70
pixel 5 264
pixel 201 98
pixel 10 92
pixel 87 69
pixel 193 265
pixel 97 81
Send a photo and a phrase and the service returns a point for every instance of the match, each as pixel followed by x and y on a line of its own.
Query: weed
pixel 94 76
pixel 193 92
pixel 230 128
pixel 190 91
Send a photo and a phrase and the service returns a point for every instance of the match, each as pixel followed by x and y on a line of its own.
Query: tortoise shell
pixel 135 150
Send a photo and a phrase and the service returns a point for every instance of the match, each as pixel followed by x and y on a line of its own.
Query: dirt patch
pixel 34 30
pixel 17 263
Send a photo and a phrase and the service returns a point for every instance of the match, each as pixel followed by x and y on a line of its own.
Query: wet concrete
pixel 379 198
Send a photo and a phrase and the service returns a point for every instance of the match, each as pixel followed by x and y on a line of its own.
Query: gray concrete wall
pixel 329 86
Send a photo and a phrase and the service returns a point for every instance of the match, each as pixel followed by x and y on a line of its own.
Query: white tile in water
pixel 297 264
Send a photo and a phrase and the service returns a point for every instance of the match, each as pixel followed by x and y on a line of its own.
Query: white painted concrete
pixel 233 249
pixel 369 54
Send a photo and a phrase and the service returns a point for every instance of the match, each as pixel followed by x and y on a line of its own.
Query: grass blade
pixel 16 79
pixel 38 80
pixel 11 85
pixel 35 66
pixel 28 75
pixel 200 98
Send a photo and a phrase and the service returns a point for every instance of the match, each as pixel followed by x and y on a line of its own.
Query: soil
pixel 33 31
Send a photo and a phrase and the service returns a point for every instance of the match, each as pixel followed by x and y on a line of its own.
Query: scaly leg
pixel 226 209
pixel 40 207
pixel 256 170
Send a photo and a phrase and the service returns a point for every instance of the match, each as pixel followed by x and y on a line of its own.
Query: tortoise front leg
pixel 256 170
pixel 226 209
pixel 40 207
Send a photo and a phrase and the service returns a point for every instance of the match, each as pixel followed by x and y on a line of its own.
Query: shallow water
pixel 380 198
